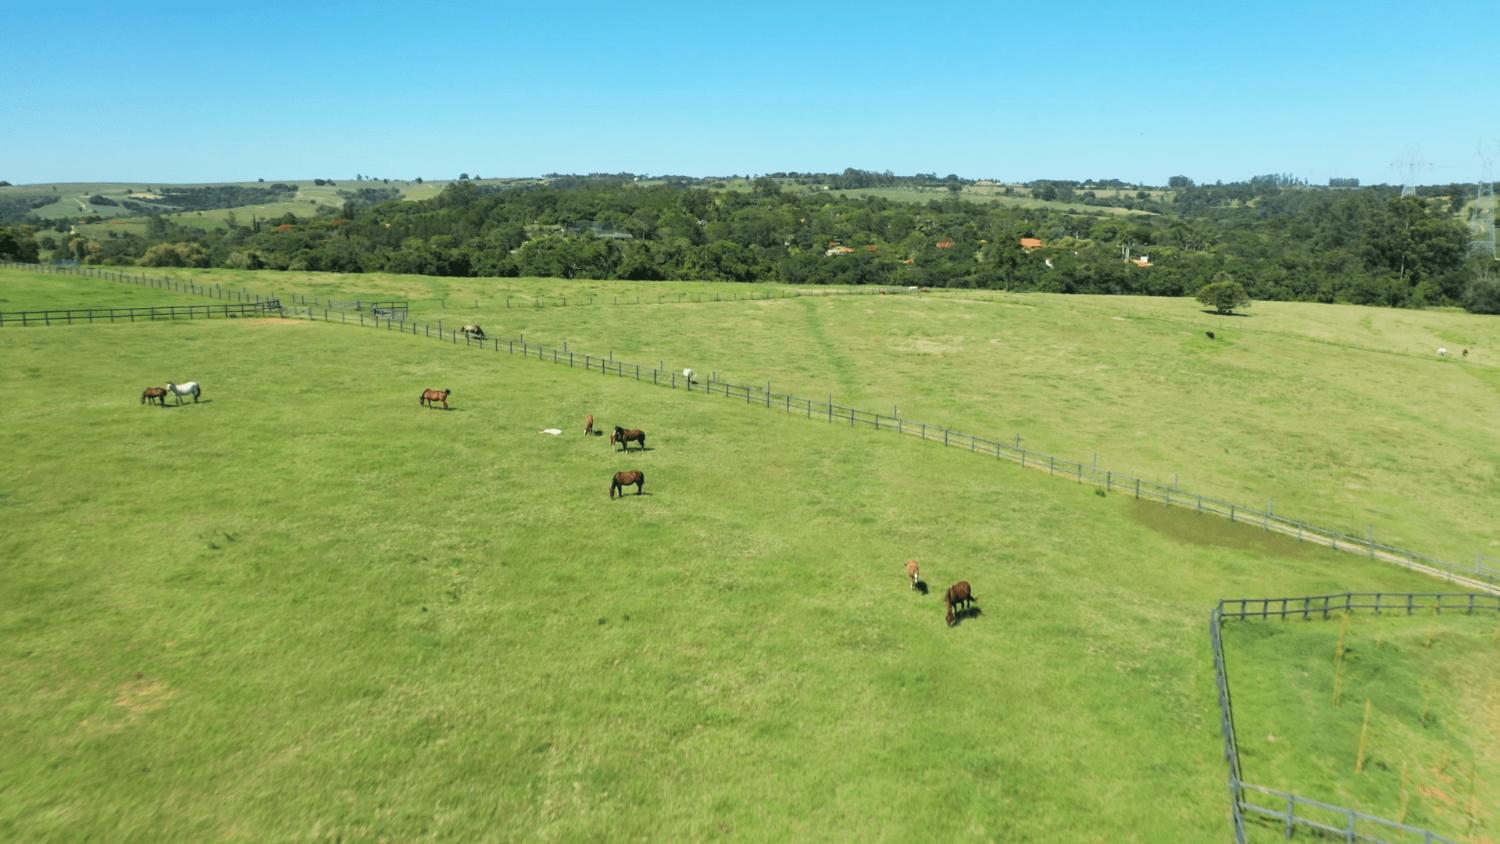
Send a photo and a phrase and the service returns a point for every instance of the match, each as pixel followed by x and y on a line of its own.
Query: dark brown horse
pixel 431 396
pixel 157 394
pixel 625 479
pixel 625 438
pixel 588 426
pixel 958 595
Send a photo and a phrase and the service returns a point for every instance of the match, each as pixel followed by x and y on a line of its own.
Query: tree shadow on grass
pixel 1212 312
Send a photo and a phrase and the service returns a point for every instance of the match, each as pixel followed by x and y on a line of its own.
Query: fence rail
pixel 1483 574
pixel 1323 606
pixel 1291 811
pixel 69 316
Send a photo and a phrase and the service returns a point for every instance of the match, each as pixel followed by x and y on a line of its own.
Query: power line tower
pixel 1408 169
pixel 1482 212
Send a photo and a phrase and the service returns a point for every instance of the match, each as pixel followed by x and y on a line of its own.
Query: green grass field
pixel 309 608
pixel 1338 415
pixel 987 194
pixel 1433 692
pixel 72 201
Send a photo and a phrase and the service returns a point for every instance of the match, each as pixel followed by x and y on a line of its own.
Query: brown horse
pixel 625 479
pixel 157 394
pixel 431 396
pixel 958 595
pixel 914 572
pixel 625 438
pixel 588 426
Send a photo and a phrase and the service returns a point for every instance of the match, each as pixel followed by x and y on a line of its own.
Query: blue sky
pixel 204 92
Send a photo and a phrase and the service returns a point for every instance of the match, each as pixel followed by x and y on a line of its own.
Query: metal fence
pixel 1290 812
pixel 1483 574
pixel 69 316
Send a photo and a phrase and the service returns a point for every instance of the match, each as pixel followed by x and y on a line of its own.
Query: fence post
pixel 1137 487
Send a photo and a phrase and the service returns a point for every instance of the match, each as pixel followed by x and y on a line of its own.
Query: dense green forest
pixel 1280 238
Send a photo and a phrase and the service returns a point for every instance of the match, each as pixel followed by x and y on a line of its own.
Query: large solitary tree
pixel 1224 294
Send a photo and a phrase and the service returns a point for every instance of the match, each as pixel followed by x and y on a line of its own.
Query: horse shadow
pixel 960 616
pixel 921 586
pixel 169 405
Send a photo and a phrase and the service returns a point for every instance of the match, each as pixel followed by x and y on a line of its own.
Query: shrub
pixel 1483 296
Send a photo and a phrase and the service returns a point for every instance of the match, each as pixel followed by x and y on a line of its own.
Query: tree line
pixel 1277 237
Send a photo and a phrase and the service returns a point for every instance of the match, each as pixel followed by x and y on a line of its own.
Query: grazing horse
pixel 588 426
pixel 958 595
pixel 914 572
pixel 155 394
pixel 1210 335
pixel 1466 352
pixel 430 396
pixel 625 479
pixel 688 374
pixel 625 438
pixel 1443 352
pixel 191 388
pixel 473 331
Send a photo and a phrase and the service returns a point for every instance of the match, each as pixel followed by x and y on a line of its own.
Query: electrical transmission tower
pixel 1482 213
pixel 1409 168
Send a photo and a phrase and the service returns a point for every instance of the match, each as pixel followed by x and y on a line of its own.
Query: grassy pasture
pixel 72 201
pixel 1338 415
pixel 1433 687
pixel 310 608
pixel 986 194
pixel 22 291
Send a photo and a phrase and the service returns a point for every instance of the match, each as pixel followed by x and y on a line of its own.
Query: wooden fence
pixel 1291 812
pixel 69 316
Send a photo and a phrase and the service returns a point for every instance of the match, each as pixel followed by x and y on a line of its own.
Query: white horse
pixel 688 374
pixel 191 388
pixel 1443 352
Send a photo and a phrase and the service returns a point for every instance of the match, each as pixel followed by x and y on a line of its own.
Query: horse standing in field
pixel 588 426
pixel 431 396
pixel 625 438
pixel 914 572
pixel 958 595
pixel 473 331
pixel 155 394
pixel 1442 352
pixel 191 388
pixel 625 479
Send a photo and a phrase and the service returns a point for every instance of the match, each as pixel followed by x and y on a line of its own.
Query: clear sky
pixel 158 92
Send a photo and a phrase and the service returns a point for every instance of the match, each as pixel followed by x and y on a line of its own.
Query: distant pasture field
pixel 309 607
pixel 1337 415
